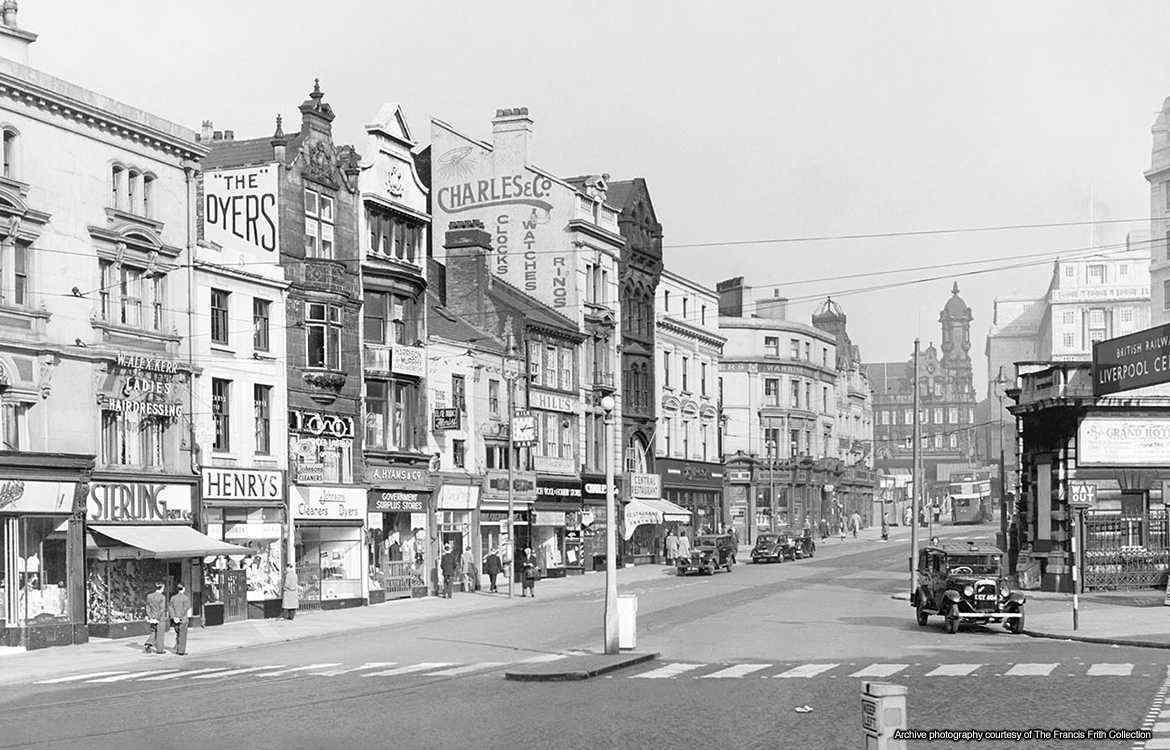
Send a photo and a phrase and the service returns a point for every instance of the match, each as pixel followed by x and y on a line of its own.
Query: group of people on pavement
pixel 161 614
pixel 452 564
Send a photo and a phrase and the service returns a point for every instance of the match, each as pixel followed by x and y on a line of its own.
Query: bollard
pixel 627 609
pixel 883 709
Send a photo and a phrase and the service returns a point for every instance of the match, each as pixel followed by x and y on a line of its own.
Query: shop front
pixel 399 525
pixel 42 549
pixel 648 519
pixel 696 486
pixel 455 519
pixel 493 514
pixel 244 507
pixel 738 495
pixel 328 545
pixel 143 530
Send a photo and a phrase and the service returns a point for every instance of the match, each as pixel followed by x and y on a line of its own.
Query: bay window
pixel 394 236
pixel 323 335
pixel 390 318
pixel 392 410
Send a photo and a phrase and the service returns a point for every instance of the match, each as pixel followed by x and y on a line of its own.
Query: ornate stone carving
pixel 119 253
pixel 320 164
pixel 13 227
pixel 394 179
pixel 48 366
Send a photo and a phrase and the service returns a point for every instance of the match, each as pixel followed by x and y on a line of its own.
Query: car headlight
pixel 969 591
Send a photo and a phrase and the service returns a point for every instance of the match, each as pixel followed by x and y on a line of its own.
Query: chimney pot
pixel 206 130
pixel 229 135
pixel 217 135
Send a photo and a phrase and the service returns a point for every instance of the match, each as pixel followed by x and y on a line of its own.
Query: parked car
pixel 709 553
pixel 962 583
pixel 773 548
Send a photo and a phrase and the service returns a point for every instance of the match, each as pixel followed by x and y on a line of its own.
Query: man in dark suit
pixel 179 610
pixel 156 615
pixel 449 567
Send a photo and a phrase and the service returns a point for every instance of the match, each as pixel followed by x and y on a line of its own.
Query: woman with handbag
pixel 529 573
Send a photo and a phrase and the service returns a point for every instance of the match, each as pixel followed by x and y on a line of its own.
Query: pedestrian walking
pixel 492 566
pixel 885 528
pixel 855 522
pixel 179 610
pixel 156 615
pixel 684 546
pixel 734 543
pixel 824 529
pixel 841 528
pixel 449 567
pixel 671 547
pixel 290 593
pixel 470 573
pixel 530 573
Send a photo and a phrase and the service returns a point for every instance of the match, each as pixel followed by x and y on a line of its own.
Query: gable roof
pixel 535 311
pixel 445 323
pixel 239 153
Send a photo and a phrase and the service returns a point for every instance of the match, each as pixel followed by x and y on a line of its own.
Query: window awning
pixel 643 512
pixel 157 542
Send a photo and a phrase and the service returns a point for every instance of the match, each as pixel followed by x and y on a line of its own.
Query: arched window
pixel 133 191
pixel 10 155
pixel 117 177
pixel 148 195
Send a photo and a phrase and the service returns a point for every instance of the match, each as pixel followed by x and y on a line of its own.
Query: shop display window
pixel 396 554
pixel 549 546
pixel 260 530
pixel 645 540
pixel 34 592
pixel 329 562
pixel 116 589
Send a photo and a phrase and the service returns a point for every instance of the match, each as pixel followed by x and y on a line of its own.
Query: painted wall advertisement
pixel 141 385
pixel 239 207
pixel 524 211
pixel 19 496
pixel 1137 441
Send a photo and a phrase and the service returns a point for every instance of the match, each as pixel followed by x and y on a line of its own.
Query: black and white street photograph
pixel 584 375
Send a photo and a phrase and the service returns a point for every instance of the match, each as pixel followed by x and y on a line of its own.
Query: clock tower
pixel 955 363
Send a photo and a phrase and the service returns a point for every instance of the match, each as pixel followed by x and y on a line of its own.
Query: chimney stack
pixel 14 41
pixel 205 132
pixel 732 294
pixel 773 308
pixel 468 278
pixel 511 131
pixel 217 135
pixel 229 135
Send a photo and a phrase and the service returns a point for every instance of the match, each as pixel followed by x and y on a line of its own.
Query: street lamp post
pixel 999 381
pixel 916 488
pixel 611 615
pixel 771 446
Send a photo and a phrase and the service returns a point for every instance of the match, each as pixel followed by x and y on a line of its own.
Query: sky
pixel 749 120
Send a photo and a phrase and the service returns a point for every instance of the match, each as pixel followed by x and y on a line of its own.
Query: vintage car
pixel 962 583
pixel 806 546
pixel 709 553
pixel 773 547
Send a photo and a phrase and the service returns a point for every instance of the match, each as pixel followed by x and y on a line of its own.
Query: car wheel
pixel 920 612
pixel 953 620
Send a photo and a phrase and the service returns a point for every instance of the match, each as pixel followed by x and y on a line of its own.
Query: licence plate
pixel 985 597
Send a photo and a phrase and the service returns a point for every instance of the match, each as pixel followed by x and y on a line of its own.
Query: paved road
pixel 740 653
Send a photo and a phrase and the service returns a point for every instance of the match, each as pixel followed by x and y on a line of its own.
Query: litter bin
pixel 627 610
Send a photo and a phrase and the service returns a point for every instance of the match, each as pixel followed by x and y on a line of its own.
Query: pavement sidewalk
pixel 1124 619
pixel 20 666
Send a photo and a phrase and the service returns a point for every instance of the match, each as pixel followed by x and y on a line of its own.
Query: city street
pixel 740 653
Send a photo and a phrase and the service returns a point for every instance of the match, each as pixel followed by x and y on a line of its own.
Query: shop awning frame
pixel 670 511
pixel 158 542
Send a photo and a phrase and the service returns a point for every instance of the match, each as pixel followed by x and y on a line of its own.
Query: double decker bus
pixel 970 498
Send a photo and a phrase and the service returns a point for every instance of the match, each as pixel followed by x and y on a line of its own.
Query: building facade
pixel 780 403
pixel 557 241
pixel 317 209
pixel 238 339
pixel 689 349
pixel 638 278
pixel 96 405
pixel 1158 175
pixel 948 428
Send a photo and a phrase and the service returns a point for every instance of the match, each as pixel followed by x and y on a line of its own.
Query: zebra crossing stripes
pixel 1115 670
pixel 736 671
pixel 880 670
pixel 184 673
pixel 466 669
pixel 668 671
pixel 953 670
pixel 347 670
pixel 426 666
pixel 131 676
pixel 1030 670
pixel 233 672
pixel 306 668
pixel 806 671
pixel 78 678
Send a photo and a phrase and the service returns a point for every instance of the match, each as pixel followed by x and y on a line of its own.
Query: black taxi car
pixel 709 553
pixel 962 583
pixel 773 547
